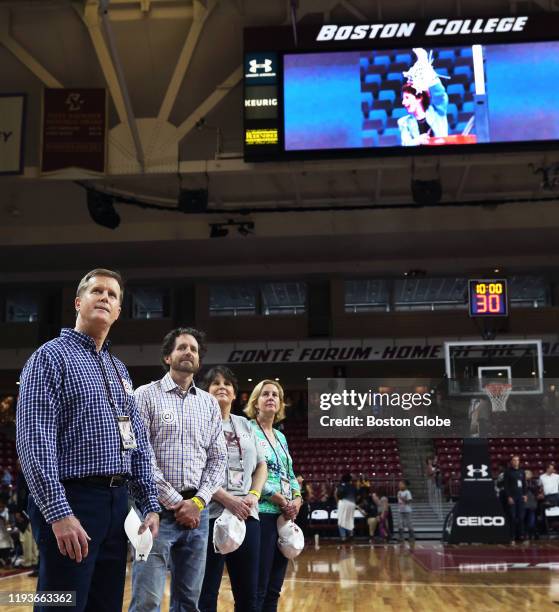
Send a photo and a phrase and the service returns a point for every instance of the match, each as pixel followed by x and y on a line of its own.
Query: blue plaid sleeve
pixel 37 408
pixel 142 485
pixel 214 471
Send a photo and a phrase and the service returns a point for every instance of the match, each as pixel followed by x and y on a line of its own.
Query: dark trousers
pixel 302 520
pixel 242 567
pixel 530 520
pixel 99 579
pixel 273 564
pixel 516 513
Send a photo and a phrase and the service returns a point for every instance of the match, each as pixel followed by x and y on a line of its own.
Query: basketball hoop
pixel 498 393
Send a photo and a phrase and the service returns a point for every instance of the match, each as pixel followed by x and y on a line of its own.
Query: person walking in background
pixel 28 544
pixel 532 491
pixel 515 491
pixel 500 487
pixel 346 495
pixel 405 510
pixel 432 473
pixel 6 540
pixel 369 507
pixel 386 523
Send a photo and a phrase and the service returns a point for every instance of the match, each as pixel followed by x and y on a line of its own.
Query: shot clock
pixel 488 297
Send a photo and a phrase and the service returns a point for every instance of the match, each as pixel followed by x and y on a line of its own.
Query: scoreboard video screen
pixel 376 89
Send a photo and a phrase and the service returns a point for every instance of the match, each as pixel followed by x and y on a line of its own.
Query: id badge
pixel 286 488
pixel 519 482
pixel 235 477
pixel 127 436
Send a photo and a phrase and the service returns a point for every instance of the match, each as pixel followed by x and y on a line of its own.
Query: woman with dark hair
pixel 245 476
pixel 426 101
pixel 281 494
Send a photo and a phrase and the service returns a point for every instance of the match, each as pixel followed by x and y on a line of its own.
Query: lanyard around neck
pixel 237 439
pixel 286 465
pixel 106 381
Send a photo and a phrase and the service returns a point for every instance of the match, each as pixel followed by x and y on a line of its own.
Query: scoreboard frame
pixel 489 293
pixel 264 130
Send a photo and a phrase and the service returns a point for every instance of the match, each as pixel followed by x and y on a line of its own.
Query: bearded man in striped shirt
pixel 184 426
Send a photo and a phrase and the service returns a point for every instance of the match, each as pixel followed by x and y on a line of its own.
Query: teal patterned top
pixel 275 471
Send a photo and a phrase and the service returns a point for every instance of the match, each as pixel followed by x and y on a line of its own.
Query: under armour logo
pixel 266 66
pixel 74 101
pixel 481 471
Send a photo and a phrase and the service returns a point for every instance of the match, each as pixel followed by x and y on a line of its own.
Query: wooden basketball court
pixel 430 577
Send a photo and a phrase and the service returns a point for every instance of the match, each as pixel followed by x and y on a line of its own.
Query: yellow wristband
pixel 255 493
pixel 199 503
pixel 297 494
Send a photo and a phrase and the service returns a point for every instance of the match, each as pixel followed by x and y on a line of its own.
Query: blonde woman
pixel 281 493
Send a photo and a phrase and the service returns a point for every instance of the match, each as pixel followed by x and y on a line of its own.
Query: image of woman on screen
pixel 426 101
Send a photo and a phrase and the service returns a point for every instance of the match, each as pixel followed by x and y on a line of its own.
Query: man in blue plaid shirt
pixel 81 440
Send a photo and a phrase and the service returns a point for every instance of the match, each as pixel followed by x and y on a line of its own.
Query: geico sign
pixel 480 521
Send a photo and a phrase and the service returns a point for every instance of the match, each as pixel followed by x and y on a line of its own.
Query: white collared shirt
pixel 550 483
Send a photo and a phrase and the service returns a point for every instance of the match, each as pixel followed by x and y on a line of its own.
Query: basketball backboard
pixel 472 364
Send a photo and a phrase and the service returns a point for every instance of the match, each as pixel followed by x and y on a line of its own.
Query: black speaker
pixel 184 312
pixel 193 200
pixel 319 309
pixel 101 209
pixel 426 193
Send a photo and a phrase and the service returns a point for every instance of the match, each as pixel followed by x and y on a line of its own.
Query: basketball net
pixel 498 393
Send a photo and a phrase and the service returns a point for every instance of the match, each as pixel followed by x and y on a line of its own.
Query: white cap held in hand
pixel 291 540
pixel 142 543
pixel 229 533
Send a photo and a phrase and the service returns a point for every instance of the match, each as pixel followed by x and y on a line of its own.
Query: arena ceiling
pixel 169 64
